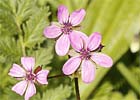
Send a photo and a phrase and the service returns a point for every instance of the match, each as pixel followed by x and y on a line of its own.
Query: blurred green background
pixel 21 33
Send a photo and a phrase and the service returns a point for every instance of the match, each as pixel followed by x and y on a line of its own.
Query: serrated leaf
pixel 35 26
pixel 44 56
pixel 10 95
pixel 59 93
pixel 10 49
pixel 6 17
pixel 25 8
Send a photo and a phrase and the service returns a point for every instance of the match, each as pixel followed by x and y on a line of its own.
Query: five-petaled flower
pixel 28 77
pixel 86 55
pixel 65 30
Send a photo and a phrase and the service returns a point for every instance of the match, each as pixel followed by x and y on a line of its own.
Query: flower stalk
pixel 77 88
pixel 57 76
pixel 21 38
pixel 22 45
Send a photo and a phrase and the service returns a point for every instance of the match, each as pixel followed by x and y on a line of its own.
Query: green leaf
pixel 36 97
pixel 10 49
pixel 103 92
pixel 44 55
pixel 4 69
pixel 117 24
pixel 136 71
pixel 130 96
pixel 33 29
pixel 10 95
pixel 6 17
pixel 129 76
pixel 59 93
pixel 116 96
pixel 74 4
pixel 24 9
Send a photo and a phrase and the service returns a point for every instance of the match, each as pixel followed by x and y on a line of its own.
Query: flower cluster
pixel 84 54
pixel 86 48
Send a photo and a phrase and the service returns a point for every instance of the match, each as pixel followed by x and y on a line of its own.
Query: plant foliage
pixel 21 34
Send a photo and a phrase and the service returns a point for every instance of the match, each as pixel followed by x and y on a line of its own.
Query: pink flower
pixel 64 30
pixel 28 77
pixel 86 56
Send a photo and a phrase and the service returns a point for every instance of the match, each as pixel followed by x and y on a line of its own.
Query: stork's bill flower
pixel 65 30
pixel 28 77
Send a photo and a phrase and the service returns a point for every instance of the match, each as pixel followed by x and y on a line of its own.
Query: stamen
pixel 67 28
pixel 30 76
pixel 85 54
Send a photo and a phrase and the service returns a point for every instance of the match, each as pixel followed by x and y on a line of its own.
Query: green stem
pixel 22 45
pixel 21 39
pixel 57 76
pixel 77 88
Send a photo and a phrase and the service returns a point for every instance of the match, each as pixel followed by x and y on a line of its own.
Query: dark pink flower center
pixel 67 28
pixel 85 54
pixel 30 76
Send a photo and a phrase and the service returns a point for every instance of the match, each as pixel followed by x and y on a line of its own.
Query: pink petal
pixel 102 59
pixel 31 90
pixel 28 63
pixel 88 71
pixel 78 40
pixel 71 65
pixel 62 45
pixel 77 17
pixel 17 71
pixel 52 31
pixel 42 76
pixel 20 87
pixel 94 41
pixel 62 14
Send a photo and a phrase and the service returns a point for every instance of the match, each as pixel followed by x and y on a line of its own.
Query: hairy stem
pixel 57 76
pixel 22 45
pixel 77 88
pixel 21 39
